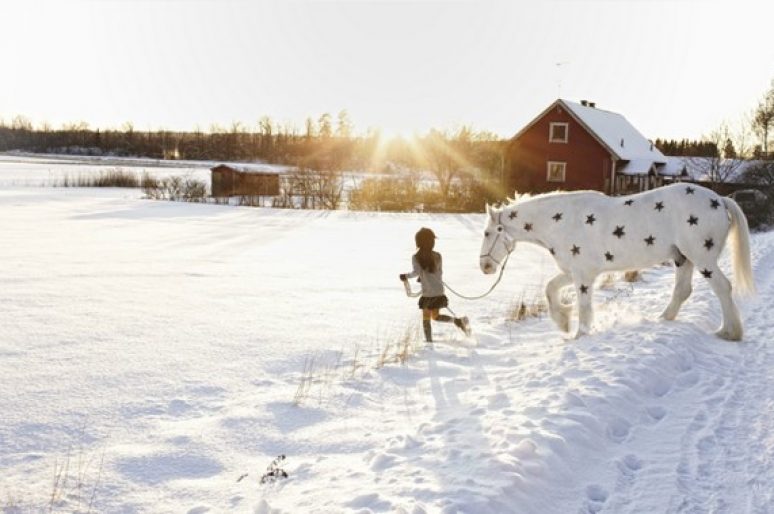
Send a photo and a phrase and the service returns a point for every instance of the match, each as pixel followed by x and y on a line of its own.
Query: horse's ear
pixel 490 212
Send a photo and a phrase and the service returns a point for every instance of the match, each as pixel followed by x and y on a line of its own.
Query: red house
pixel 573 146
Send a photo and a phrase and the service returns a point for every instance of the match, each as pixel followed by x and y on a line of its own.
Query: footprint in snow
pixel 629 465
pixel 618 430
pixel 656 412
pixel 597 496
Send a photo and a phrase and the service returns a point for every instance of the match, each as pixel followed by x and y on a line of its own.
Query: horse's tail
pixel 740 249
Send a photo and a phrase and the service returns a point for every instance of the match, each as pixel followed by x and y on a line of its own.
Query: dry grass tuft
pixel 319 377
pixel 526 307
pixel 632 276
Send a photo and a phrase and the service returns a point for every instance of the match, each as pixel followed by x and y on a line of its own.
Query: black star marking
pixel 709 243
pixel 619 232
pixel 584 289
pixel 552 251
pixel 575 250
pixel 609 256
pixel 628 202
pixel 513 214
pixel 649 240
pixel 714 203
pixel 528 226
pixel 706 273
pixel 689 190
pixel 557 216
pixel 659 206
pixel 590 219
pixel 693 220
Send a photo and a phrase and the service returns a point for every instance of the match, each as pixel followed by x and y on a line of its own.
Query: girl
pixel 428 267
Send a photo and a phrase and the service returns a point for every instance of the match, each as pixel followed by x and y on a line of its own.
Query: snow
pixel 167 341
pixel 21 169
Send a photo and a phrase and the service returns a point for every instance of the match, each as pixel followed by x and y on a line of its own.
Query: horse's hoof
pixel 667 316
pixel 729 335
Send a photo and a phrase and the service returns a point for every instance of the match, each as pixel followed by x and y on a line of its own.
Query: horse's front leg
pixel 559 312
pixel 584 290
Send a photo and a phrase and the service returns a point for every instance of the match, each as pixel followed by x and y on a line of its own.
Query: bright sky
pixel 674 68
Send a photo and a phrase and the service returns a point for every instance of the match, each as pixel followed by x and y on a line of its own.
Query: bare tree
pixel 731 148
pixel 344 125
pixel 762 173
pixel 446 156
pixel 763 119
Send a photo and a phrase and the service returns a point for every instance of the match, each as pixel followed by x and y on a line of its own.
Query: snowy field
pixel 22 169
pixel 156 350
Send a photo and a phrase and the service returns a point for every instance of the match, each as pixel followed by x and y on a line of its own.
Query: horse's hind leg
pixel 559 313
pixel 731 328
pixel 682 290
pixel 584 289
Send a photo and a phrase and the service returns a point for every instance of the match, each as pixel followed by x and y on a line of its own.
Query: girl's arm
pixel 415 265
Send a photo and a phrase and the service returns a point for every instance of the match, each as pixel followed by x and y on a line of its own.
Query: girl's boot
pixel 428 330
pixel 463 324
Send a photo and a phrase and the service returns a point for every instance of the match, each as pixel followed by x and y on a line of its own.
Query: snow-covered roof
pixel 616 133
pixel 675 167
pixel 637 167
pixel 249 168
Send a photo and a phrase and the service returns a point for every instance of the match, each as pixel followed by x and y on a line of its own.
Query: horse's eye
pixel 486 234
pixel 499 229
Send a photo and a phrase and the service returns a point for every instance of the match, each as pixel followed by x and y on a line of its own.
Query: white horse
pixel 589 233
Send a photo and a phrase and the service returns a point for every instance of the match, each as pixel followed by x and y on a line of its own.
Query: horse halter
pixel 506 239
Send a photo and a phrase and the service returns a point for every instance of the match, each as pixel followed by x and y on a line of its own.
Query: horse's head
pixel 497 243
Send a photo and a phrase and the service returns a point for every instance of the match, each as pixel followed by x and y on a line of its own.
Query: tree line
pixel 326 145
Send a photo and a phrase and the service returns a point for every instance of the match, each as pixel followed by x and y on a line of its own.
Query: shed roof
pixel 249 168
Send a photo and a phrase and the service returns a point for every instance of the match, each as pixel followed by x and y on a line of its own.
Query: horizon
pixel 675 69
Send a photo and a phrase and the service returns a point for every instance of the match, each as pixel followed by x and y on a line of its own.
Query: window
pixel 556 171
pixel 558 133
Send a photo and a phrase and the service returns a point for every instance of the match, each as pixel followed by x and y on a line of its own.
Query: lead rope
pixel 502 270
pixel 412 294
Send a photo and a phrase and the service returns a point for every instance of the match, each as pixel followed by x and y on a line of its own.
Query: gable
pixel 611 130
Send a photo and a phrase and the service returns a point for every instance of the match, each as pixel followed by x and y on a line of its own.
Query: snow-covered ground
pixel 157 349
pixel 23 169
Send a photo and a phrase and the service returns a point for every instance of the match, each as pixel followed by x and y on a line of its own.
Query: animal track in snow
pixel 618 430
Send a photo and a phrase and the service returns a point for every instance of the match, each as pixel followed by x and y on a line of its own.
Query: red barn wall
pixel 526 169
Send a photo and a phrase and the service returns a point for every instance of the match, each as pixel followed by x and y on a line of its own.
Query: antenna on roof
pixel 559 77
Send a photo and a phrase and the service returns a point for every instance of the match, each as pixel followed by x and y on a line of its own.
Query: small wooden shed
pixel 228 180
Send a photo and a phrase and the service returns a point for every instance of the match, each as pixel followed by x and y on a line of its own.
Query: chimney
pixel 592 104
pixel 585 103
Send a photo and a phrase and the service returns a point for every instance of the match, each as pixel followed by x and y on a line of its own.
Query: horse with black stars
pixel 682 223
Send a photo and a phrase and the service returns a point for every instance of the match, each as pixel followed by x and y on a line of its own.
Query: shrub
pixel 115 177
pixel 175 189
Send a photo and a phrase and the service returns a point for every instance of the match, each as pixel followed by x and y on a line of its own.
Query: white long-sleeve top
pixel 432 283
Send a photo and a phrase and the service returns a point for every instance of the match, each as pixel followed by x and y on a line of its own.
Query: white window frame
pixel 554 139
pixel 548 171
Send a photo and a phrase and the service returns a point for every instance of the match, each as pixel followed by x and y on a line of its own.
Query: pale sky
pixel 675 68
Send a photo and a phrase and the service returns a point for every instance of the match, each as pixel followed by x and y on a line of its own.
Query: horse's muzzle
pixel 488 266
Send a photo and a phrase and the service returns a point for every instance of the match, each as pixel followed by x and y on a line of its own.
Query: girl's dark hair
pixel 425 239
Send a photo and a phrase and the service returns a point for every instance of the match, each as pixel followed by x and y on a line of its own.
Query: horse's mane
pixel 527 197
